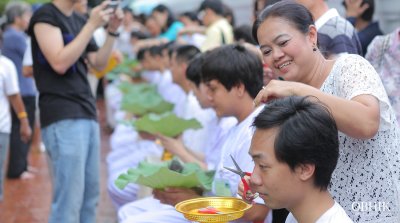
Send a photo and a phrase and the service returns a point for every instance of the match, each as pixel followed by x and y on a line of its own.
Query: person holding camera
pixel 62 46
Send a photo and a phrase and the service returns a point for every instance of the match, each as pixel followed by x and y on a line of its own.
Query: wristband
pixel 22 115
pixel 114 34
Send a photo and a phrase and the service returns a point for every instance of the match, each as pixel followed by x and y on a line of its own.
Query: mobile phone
pixel 113 5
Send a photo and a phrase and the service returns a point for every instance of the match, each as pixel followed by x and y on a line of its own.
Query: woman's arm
pixel 51 43
pixel 358 118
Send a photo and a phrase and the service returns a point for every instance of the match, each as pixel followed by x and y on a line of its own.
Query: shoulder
pixel 47 13
pixel 337 26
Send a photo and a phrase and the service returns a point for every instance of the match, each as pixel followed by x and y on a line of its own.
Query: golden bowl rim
pixel 178 205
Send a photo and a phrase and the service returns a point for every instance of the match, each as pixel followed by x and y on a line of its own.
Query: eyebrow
pixel 275 39
pixel 256 156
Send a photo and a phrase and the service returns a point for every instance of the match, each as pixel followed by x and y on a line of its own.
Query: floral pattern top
pixel 384 54
pixel 366 181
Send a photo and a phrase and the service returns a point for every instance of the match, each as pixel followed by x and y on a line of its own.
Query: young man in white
pixel 295 149
pixel 233 76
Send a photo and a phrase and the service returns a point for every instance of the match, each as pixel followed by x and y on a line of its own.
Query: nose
pixel 255 179
pixel 277 53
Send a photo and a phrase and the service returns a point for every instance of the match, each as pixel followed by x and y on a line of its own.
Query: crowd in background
pixel 54 57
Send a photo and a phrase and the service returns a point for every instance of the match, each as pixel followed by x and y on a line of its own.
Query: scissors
pixel 247 191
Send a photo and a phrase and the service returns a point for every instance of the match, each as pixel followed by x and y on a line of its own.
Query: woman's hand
pixel 278 89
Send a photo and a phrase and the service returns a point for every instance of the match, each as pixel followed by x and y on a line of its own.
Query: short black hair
pixel 184 53
pixel 155 50
pixel 139 35
pixel 233 64
pixel 244 32
pixel 191 15
pixel 193 71
pixel 295 13
pixel 307 134
pixel 140 53
pixel 215 5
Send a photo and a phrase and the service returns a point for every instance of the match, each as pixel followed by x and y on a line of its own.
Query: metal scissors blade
pixel 234 171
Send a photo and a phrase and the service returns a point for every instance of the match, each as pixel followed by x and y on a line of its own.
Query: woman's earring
pixel 314 48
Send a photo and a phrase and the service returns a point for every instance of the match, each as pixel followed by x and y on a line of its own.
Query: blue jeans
pixel 74 157
pixel 4 142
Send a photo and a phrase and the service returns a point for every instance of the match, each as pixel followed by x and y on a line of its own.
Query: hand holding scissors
pixel 248 195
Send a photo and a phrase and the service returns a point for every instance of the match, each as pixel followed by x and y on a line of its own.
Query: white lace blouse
pixel 366 181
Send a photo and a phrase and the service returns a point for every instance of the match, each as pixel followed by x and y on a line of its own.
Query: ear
pixel 312 34
pixel 305 171
pixel 240 89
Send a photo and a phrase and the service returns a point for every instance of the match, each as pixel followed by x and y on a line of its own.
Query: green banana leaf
pixel 145 102
pixel 126 67
pixel 136 88
pixel 159 176
pixel 167 124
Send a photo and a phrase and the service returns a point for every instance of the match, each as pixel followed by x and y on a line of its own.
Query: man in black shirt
pixel 62 45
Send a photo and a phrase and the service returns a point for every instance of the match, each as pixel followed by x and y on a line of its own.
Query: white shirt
pixel 8 86
pixel 331 13
pixel 236 144
pixel 335 214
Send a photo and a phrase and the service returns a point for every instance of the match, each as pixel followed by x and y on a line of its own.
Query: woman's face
pixel 161 18
pixel 286 50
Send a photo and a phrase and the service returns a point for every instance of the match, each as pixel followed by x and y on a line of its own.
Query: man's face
pixel 223 101
pixel 201 93
pixel 276 183
pixel 176 69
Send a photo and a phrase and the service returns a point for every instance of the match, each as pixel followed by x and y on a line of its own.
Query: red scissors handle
pixel 246 187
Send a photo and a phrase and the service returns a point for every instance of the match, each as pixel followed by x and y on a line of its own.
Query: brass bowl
pixel 231 208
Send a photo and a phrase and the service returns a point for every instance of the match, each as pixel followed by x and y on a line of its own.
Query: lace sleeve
pixel 356 76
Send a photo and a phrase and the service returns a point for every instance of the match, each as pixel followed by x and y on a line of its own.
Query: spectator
pixel 384 54
pixel 18 15
pixel 359 13
pixel 9 94
pixel 335 34
pixel 62 44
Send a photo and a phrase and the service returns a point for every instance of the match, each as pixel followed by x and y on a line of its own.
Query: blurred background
pixel 386 12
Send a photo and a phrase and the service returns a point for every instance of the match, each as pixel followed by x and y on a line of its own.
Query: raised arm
pixel 61 56
pixel 357 118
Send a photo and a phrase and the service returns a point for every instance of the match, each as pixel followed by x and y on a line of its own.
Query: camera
pixel 113 5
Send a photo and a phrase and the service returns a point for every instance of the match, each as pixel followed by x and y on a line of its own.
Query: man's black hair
pixel 215 5
pixel 243 32
pixel 192 16
pixel 139 35
pixel 140 54
pixel 232 65
pixel 307 134
pixel 185 53
pixel 193 71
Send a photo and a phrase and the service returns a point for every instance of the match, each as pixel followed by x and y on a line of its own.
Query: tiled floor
pixel 28 201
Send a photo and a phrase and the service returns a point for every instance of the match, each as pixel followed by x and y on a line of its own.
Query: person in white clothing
pixel 9 93
pixel 121 160
pixel 369 137
pixel 233 76
pixel 295 149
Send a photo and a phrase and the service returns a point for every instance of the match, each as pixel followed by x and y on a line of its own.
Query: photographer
pixel 62 45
